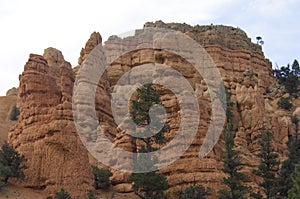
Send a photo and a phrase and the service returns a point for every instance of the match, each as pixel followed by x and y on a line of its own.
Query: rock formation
pixel 245 72
pixel 6 105
pixel 46 135
pixel 45 132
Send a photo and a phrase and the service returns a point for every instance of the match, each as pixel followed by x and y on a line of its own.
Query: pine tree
pixel 268 165
pixel 150 184
pixel 11 163
pixel 289 77
pixel 231 161
pixel 288 166
pixel 296 68
pixel 294 192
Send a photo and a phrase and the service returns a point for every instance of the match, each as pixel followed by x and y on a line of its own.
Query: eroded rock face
pixel 93 41
pixel 246 73
pixel 45 132
pixel 46 135
pixel 6 105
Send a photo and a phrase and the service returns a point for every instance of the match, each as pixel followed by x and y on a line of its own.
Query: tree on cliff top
pixel 289 77
pixel 11 163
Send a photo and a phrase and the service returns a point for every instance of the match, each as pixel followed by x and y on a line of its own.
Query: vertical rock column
pixel 45 132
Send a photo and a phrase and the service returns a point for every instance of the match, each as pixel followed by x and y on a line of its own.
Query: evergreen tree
pixel 289 77
pixel 231 161
pixel 296 68
pixel 294 192
pixel 101 177
pixel 288 166
pixel 195 191
pixel 268 165
pixel 14 113
pixel 11 163
pixel 150 184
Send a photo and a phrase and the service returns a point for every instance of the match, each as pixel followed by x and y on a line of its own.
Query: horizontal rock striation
pixel 45 132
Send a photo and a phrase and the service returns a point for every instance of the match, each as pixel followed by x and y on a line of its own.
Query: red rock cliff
pixel 45 132
pixel 46 135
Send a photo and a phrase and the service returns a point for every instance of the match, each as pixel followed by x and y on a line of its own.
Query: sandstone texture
pixel 6 105
pixel 244 70
pixel 45 132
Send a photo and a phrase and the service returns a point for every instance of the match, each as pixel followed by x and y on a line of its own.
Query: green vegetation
pixel 289 77
pixel 101 177
pixel 195 191
pixel 231 161
pixel 91 195
pixel 285 103
pixel 150 184
pixel 288 166
pixel 294 192
pixel 62 194
pixel 268 165
pixel 14 113
pixel 11 163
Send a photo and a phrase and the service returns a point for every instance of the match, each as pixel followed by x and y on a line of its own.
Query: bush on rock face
pixel 285 103
pixel 101 177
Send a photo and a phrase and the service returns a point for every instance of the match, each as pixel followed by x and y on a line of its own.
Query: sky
pixel 31 26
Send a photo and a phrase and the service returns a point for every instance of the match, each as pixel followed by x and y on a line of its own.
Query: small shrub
pixel 62 195
pixel 15 112
pixel 90 195
pixel 101 177
pixel 285 103
pixel 11 163
pixel 295 120
pixel 2 184
pixel 195 191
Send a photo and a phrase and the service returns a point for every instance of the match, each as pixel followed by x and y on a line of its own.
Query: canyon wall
pixel 45 132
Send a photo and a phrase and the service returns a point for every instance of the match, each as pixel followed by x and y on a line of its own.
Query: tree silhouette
pixel 294 192
pixel 259 40
pixel 149 184
pixel 268 165
pixel 231 161
pixel 11 163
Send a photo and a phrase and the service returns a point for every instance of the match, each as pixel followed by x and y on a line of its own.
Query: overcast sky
pixel 30 26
